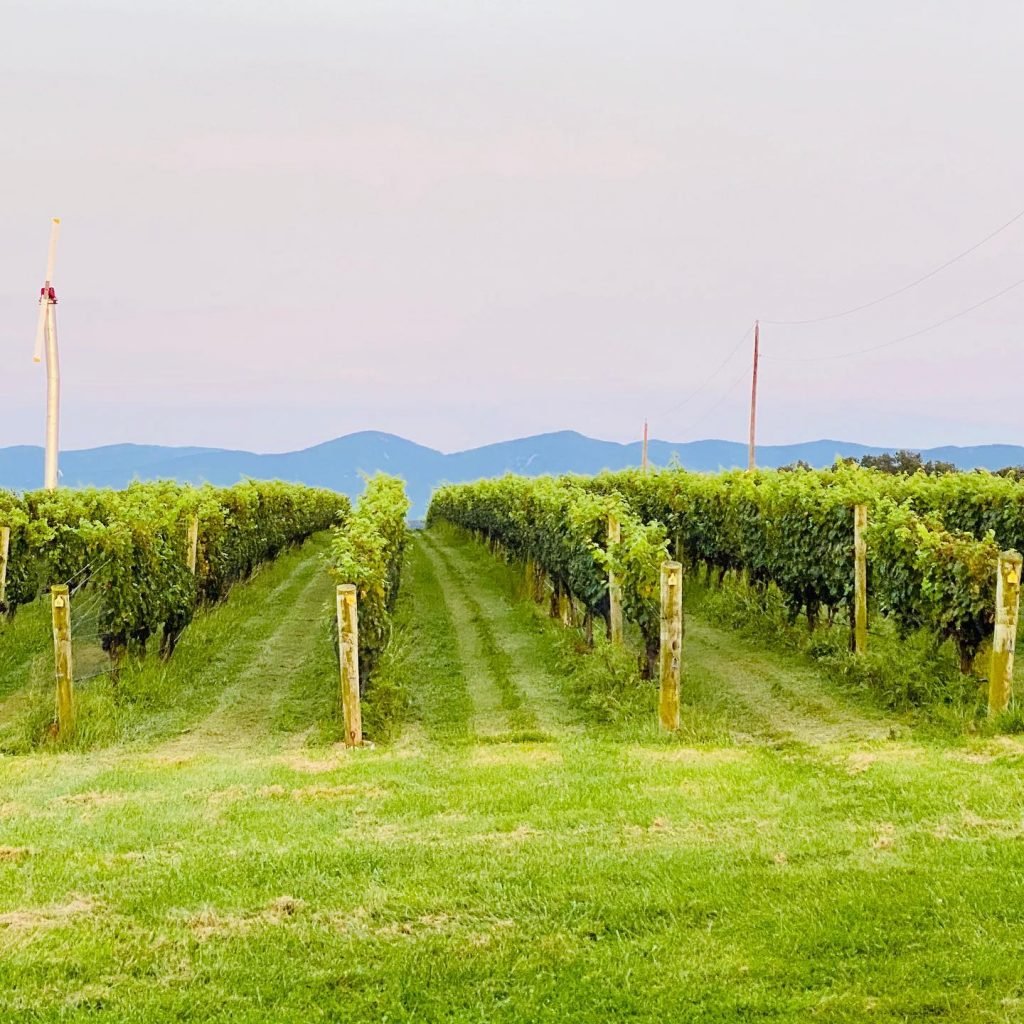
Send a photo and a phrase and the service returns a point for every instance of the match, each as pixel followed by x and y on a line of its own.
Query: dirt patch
pixel 14 853
pixel 283 907
pixel 229 795
pixel 300 762
pixel 991 750
pixel 269 792
pixel 973 827
pixel 885 837
pixel 44 918
pixel 430 923
pixel 208 923
pixel 861 760
pixel 154 855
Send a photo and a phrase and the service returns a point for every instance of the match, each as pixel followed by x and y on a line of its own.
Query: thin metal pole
pixel 643 461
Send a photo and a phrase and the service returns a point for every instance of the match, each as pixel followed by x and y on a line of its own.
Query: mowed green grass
pixel 508 857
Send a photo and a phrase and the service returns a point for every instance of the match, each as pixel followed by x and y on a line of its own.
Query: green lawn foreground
pixel 754 869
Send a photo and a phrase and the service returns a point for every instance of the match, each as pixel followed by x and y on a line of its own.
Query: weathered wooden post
pixel 566 612
pixel 534 580
pixel 614 586
pixel 860 579
pixel 193 544
pixel 348 651
pixel 671 643
pixel 1000 683
pixel 5 548
pixel 60 599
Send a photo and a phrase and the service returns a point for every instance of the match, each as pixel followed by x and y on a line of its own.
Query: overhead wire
pixel 714 405
pixel 904 288
pixel 903 337
pixel 714 373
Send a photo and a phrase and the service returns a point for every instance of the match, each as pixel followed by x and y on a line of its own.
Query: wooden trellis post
pixel 5 549
pixel 614 587
pixel 348 651
pixel 1000 682
pixel 566 612
pixel 60 600
pixel 671 644
pixel 193 544
pixel 860 579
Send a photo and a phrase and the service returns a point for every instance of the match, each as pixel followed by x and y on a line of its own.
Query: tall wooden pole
pixel 60 600
pixel 751 462
pixel 614 587
pixel 1000 681
pixel 348 650
pixel 671 644
pixel 643 458
pixel 860 580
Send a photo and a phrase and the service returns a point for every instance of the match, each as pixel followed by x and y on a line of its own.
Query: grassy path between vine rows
pixel 508 857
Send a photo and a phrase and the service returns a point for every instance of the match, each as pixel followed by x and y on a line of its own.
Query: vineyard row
pixel 933 544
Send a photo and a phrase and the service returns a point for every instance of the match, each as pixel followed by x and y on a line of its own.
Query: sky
pixel 468 220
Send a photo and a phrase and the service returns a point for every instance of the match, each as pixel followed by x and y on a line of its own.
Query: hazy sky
pixel 464 221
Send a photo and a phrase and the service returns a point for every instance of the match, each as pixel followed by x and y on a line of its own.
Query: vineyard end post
pixel 193 544
pixel 1000 684
pixel 671 644
pixel 60 600
pixel 348 651
pixel 860 579
pixel 614 587
pixel 5 548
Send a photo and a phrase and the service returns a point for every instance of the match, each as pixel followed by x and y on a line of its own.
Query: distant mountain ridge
pixel 341 463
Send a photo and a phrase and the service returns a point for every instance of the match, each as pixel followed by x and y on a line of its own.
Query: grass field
pixel 210 854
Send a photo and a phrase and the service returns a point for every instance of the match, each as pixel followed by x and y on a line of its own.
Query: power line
pixel 903 337
pixel 744 373
pixel 905 288
pixel 714 373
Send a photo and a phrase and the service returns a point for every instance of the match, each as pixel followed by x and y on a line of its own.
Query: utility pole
pixel 643 458
pixel 46 336
pixel 751 462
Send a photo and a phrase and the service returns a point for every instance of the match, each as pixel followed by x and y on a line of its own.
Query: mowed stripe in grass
pixel 528 664
pixel 248 706
pixel 437 676
pixel 498 708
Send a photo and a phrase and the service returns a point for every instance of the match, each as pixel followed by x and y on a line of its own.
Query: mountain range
pixel 340 463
